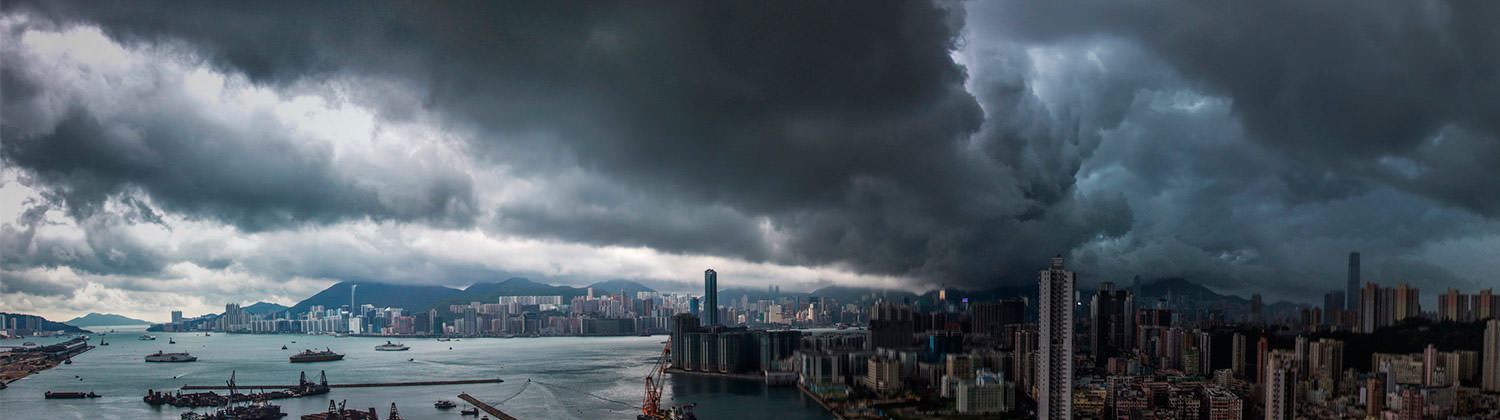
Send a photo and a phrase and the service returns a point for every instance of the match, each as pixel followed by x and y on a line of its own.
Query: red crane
pixel 651 406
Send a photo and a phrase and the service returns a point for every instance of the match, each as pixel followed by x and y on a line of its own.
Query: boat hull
pixel 319 358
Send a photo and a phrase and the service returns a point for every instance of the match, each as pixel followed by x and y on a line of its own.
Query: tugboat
pixel 171 357
pixel 326 355
pixel 469 411
pixel 389 346
pixel 444 404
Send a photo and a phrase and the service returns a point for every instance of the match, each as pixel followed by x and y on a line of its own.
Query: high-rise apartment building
pixel 1055 369
pixel 1453 306
pixel 1237 355
pixel 1490 363
pixel 1280 403
pixel 1352 287
pixel 710 297
pixel 1374 397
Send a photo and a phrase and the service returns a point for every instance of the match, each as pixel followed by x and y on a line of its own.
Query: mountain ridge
pixel 97 319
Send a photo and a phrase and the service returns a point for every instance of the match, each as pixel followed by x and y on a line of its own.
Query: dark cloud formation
pixel 1405 92
pixel 1238 144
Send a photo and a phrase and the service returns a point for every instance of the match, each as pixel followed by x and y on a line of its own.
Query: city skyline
pixel 155 163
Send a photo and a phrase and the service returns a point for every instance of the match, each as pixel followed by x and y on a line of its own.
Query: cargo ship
pixel 69 395
pixel 389 346
pixel 326 355
pixel 171 357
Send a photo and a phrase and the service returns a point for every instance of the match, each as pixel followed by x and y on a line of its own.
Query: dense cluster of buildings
pixel 1106 353
pixel 20 325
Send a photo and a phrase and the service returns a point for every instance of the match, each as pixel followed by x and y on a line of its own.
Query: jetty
pixel 357 385
pixel 499 415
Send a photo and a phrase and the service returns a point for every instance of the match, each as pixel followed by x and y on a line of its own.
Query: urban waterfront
pixel 573 377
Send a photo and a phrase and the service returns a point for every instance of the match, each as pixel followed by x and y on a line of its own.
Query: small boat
pixel 444 339
pixel 471 411
pixel 171 357
pixel 170 340
pixel 283 347
pixel 389 346
pixel 69 361
pixel 326 355
pixel 28 344
pixel 146 337
pixel 103 343
pixel 69 395
pixel 444 404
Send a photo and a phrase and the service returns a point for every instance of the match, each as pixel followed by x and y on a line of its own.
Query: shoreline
pixel 820 402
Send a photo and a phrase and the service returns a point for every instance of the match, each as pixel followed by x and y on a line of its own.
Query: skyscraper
pixel 1333 304
pixel 1352 287
pixel 1237 354
pixel 710 297
pixel 1490 382
pixel 1055 370
pixel 1257 312
pixel 1112 326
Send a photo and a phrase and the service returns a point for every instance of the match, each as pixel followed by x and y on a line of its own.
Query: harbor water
pixel 573 377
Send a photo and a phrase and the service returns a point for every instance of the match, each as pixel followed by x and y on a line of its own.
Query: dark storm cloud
pixel 1238 143
pixel 844 125
pixel 1370 87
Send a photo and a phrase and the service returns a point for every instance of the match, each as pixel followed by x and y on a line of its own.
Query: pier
pixel 356 385
pixel 499 415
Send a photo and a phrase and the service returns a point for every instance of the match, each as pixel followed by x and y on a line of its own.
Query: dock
pixel 356 385
pixel 499 415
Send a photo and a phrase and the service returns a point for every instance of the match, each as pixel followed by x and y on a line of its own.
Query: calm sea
pixel 584 377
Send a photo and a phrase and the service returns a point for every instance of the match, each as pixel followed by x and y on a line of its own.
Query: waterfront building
pixel 710 297
pixel 883 375
pixel 988 393
pixel 1055 370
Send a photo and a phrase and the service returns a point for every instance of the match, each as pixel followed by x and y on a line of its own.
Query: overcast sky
pixel 187 155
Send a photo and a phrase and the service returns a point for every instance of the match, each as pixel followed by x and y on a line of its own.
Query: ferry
pixel 326 355
pixel 171 357
pixel 146 337
pixel 389 346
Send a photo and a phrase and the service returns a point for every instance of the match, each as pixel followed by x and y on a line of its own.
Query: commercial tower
pixel 1113 327
pixel 1055 367
pixel 1351 289
pixel 710 297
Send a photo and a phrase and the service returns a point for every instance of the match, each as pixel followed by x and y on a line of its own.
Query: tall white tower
pixel 1055 367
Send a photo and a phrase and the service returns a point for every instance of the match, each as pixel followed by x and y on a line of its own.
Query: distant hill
pixel 41 323
pixel 616 286
pixel 95 318
pixel 378 294
pixel 262 308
